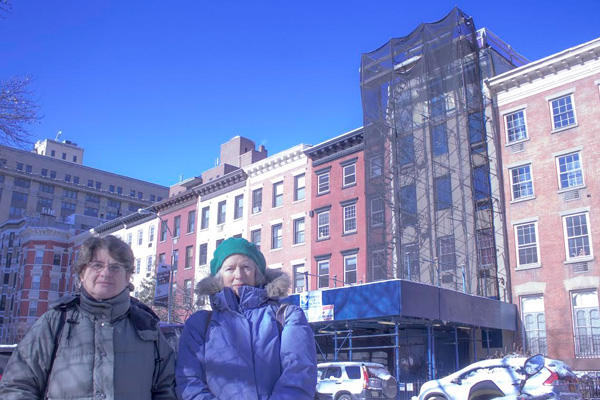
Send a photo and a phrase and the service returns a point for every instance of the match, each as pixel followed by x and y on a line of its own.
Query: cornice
pixel 571 58
pixel 222 183
pixel 340 146
pixel 176 201
pixel 276 161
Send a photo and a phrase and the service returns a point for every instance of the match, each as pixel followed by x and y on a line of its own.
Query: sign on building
pixel 161 292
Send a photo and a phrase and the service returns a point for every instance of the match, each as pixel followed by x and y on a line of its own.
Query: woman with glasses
pixel 98 344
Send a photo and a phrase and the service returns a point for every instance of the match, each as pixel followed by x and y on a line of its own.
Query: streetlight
pixel 163 222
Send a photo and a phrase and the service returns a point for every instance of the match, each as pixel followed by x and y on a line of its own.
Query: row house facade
pixel 338 211
pixel 548 125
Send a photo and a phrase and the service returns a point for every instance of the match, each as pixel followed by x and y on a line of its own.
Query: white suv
pixel 355 380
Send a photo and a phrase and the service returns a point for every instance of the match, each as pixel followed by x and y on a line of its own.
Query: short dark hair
pixel 118 249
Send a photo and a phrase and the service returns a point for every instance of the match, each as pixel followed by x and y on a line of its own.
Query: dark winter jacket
pixel 108 350
pixel 238 352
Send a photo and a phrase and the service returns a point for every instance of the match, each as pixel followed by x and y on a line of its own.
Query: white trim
pixel 276 221
pixel 298 261
pixel 297 215
pixel 275 266
pixel 280 178
pixel 562 93
pixel 567 151
pixel 575 211
pixel 519 163
pixel 510 178
pixel 505 116
pixel 298 172
pixel 586 257
pixel 557 167
pixel 550 99
pixel 513 109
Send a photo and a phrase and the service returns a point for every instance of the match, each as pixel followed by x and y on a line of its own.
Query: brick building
pixel 548 125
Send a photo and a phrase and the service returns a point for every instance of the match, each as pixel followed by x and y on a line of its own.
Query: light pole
pixel 163 222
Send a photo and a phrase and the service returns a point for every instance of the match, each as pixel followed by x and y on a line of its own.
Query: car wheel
pixel 345 396
pixel 436 397
pixel 390 387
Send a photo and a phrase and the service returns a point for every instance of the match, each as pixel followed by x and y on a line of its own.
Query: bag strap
pixel 61 325
pixel 280 316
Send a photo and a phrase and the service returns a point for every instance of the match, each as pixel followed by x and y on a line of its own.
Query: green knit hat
pixel 236 246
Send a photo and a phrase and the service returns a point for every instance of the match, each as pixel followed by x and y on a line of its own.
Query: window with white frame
pixel 527 244
pixel 378 265
pixel 149 265
pixel 33 306
pixel 129 239
pixel 299 187
pixel 349 175
pixel 578 243
pixel 323 225
pixel 563 112
pixel 177 226
pixel 187 292
pixel 323 183
pixel 255 237
pixel 570 171
pixel 377 212
pixel 299 278
pixel 276 236
pixel 350 263
pixel 221 209
pixel 238 204
pixel 203 254
pixel 534 324
pixel 150 234
pixel 299 230
pixel 35 281
pixel 323 272
pixel 516 130
pixel 204 217
pixel 349 218
pixel 140 237
pixel 256 201
pixel 39 257
pixel 586 321
pixel 163 230
pixel 521 182
pixel 277 194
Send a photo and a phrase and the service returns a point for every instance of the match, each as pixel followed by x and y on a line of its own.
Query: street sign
pixel 161 292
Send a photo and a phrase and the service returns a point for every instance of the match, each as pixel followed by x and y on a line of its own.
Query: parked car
pixel 6 351
pixel 354 381
pixel 509 378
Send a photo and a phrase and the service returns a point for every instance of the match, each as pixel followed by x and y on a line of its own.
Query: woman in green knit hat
pixel 243 349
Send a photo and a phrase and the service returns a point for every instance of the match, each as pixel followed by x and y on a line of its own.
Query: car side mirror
pixel 532 366
pixel 457 381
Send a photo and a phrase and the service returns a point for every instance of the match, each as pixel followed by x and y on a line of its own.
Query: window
pixel 440 140
pixel 349 213
pixel 534 324
pixel 375 166
pixel 76 180
pixel 45 172
pixel 111 188
pixel 221 212
pixel 74 158
pixel 299 231
pixel 577 236
pixel 119 190
pixel 140 237
pixel 18 204
pixel 203 254
pixel 299 187
pixel 177 226
pixel 323 225
pixel 563 114
pixel 46 188
pixel 586 322
pixel 349 175
pixel 64 156
pixel 323 272
pixel 299 278
pixel 56 259
pixel 67 178
pixel 410 261
pixel 35 282
pixel 256 201
pixel 113 203
pixel 33 304
pixel 521 182
pixel 24 183
pixel 52 174
pixel 92 198
pixel 189 257
pixel 238 210
pixel 408 204
pixel 443 193
pixel 191 221
pixel 67 209
pixel 350 269
pixel 19 166
pixel 39 257
pixel 276 236
pixel 277 194
pixel 44 205
pixel 90 211
pixel 323 183
pixel 187 292
pixel 406 150
pixel 152 198
pixel 446 253
pixel 90 183
pixel 218 242
pixel 255 237
pixel 72 194
pixel 131 193
pixel 98 185
pixel 163 230
pixel 151 234
pixel 149 266
pixel 570 171
pixel 162 259
pixel 377 212
pixel 516 129
pixel 204 218
pixel 129 239
pixel 527 245
pixel 140 195
pixel 138 265
pixel 175 259
pixel 482 187
pixel 476 127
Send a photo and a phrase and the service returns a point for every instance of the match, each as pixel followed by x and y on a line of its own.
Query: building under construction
pixel 432 185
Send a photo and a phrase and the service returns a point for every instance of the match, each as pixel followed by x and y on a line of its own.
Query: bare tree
pixel 17 109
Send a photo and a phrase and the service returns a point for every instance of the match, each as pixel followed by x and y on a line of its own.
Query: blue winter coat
pixel 242 354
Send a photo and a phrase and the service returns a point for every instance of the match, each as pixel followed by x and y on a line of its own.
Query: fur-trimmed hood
pixel 277 284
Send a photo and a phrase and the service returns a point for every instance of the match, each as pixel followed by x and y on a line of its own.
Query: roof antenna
pixel 58 135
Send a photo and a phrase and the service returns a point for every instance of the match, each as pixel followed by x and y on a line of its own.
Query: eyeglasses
pixel 113 268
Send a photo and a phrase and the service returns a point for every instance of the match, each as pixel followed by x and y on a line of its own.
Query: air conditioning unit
pixel 150 244
pixel 256 210
pixel 220 228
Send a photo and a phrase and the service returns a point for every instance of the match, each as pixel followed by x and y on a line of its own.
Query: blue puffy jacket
pixel 238 352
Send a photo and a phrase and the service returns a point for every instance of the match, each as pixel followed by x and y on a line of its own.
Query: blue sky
pixel 151 88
